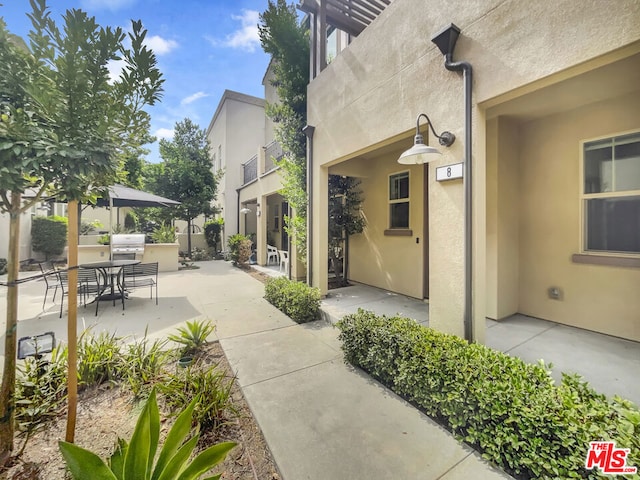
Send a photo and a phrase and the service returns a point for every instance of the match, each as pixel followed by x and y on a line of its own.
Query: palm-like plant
pixel 136 459
pixel 193 336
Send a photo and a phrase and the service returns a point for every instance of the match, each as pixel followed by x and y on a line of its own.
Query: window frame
pixel 406 200
pixel 583 197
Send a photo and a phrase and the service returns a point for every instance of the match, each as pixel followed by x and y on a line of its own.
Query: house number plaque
pixel 449 172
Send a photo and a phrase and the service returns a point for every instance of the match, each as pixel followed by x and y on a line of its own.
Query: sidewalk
pixel 322 418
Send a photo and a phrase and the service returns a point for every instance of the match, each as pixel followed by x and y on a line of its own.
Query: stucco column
pixel 320 228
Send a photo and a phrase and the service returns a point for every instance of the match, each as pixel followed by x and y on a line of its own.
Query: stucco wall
pixel 372 92
pixel 390 262
pixel 596 297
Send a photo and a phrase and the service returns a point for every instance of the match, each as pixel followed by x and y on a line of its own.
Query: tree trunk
pixel 7 392
pixel 72 321
pixel 189 238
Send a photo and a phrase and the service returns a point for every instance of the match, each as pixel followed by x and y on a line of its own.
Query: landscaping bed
pixel 108 411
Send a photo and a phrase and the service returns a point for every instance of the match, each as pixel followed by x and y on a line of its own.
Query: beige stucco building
pixel 236 129
pixel 555 153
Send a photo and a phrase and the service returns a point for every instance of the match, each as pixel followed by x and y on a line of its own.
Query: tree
pixel 345 219
pixel 63 125
pixel 187 175
pixel 287 41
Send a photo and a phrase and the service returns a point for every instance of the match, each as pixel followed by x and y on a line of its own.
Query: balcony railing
pixel 250 170
pixel 272 151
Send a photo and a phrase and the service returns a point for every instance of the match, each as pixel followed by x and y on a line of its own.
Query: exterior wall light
pixel 245 210
pixel 421 153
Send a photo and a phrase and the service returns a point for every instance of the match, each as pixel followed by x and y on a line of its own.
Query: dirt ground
pixel 104 414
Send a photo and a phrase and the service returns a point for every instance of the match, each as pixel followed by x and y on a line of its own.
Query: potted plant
pixel 193 338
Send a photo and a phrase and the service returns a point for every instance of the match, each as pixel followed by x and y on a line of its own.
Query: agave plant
pixel 136 459
pixel 194 335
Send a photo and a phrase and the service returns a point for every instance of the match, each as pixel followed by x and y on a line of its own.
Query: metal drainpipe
pixel 465 67
pixel 308 131
pixel 238 208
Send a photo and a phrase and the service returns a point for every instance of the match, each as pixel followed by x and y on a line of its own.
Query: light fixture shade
pixel 419 154
pixel 245 210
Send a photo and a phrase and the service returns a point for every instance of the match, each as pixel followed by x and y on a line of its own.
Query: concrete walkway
pixel 321 418
pixel 609 364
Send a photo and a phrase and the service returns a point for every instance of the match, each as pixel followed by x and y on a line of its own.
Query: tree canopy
pixel 287 41
pixel 186 173
pixel 64 126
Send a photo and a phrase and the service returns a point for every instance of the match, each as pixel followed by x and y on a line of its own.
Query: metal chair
pixel 141 275
pixel 272 252
pixel 88 284
pixel 51 280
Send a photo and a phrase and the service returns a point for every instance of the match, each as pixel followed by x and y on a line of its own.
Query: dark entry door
pixel 284 239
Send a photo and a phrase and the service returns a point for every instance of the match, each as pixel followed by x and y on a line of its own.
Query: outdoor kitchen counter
pixel 166 254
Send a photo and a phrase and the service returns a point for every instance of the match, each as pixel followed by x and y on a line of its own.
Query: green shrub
pixel 200 255
pixel 164 234
pixel 296 299
pixel 509 410
pixel 86 227
pixel 137 459
pixel 3 266
pixel 41 392
pixel 213 231
pixel 99 358
pixel 193 336
pixel 143 365
pixel 131 221
pixel 239 248
pixel 210 388
pixel 49 235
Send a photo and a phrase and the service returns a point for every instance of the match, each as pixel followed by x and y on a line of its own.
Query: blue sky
pixel 203 47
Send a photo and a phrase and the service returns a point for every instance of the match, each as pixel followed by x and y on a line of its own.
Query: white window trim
pixel 398 200
pixel 586 196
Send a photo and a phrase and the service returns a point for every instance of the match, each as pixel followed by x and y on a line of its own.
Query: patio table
pixel 107 270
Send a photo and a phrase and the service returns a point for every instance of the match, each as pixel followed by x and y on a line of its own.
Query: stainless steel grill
pixel 129 244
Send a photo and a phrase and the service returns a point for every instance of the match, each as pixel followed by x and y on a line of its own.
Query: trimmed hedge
pixel 509 410
pixel 49 235
pixel 296 299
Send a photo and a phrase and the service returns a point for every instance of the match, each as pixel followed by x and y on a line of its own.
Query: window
pixel 399 200
pixel 219 157
pixel 611 194
pixel 215 163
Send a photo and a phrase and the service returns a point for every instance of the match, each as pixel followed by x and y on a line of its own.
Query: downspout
pixel 308 131
pixel 238 209
pixel 465 68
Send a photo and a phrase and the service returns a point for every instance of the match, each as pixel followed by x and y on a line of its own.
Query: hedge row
pixel 511 411
pixel 296 299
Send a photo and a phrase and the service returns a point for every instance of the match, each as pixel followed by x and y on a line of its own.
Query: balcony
pixel 250 170
pixel 272 152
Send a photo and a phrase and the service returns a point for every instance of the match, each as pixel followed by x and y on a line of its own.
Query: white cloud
pixel 115 67
pixel 164 133
pixel 159 45
pixel 112 5
pixel 193 98
pixel 246 37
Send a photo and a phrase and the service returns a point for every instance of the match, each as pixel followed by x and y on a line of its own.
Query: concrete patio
pixel 320 417
pixel 609 364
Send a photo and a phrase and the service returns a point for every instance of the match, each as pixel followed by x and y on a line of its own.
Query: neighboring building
pixel 236 131
pixel 265 207
pixel 555 153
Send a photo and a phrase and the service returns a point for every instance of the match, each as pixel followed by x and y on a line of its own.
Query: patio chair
pixel 284 260
pixel 141 275
pixel 51 280
pixel 272 252
pixel 88 284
